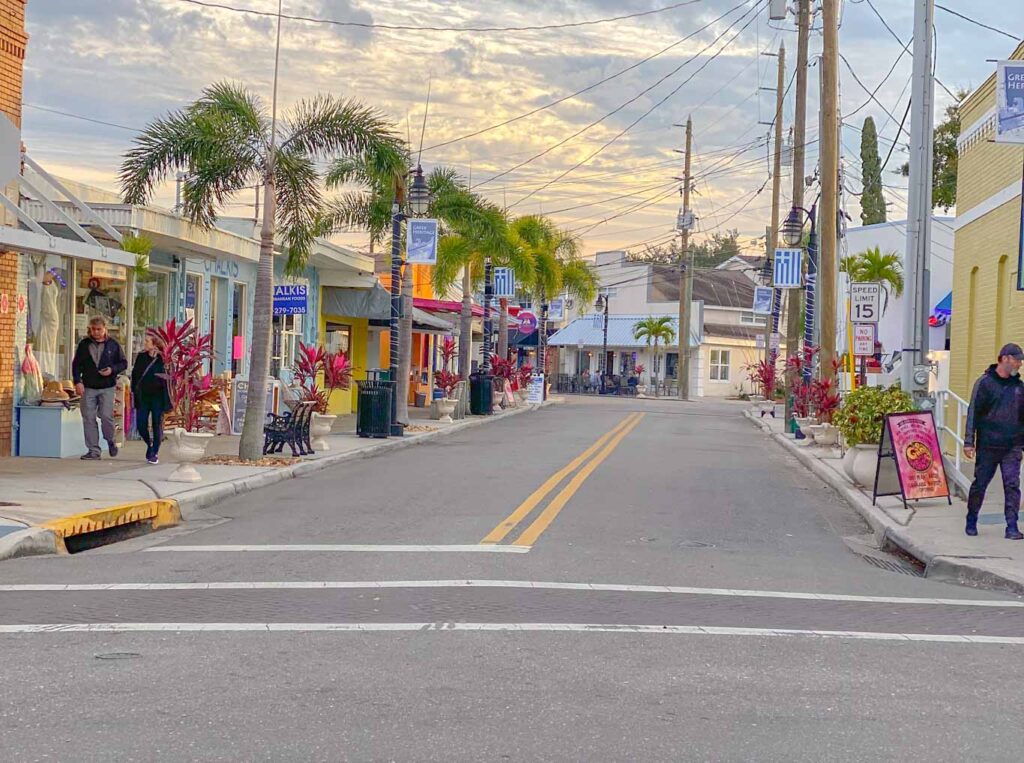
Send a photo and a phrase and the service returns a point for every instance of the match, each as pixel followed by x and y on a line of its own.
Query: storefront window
pixel 193 298
pixel 102 290
pixel 151 305
pixel 238 330
pixel 287 333
pixel 50 287
pixel 339 337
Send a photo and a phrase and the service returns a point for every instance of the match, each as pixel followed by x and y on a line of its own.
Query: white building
pixel 723 334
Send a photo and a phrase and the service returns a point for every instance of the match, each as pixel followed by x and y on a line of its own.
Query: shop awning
pixel 374 302
pixel 445 306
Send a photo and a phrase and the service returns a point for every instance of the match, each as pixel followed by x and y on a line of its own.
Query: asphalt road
pixel 598 580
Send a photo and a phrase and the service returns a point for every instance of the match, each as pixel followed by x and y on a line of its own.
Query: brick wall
pixel 13 41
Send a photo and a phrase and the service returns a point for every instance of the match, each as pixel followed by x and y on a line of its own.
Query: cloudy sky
pixel 124 62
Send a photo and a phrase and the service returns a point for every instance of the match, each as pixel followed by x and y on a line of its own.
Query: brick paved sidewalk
pixel 932 531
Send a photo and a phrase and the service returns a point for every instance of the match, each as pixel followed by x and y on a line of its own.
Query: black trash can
pixel 373 410
pixel 481 397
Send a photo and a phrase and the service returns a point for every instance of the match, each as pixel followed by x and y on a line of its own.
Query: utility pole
pixel 793 306
pixel 686 273
pixel 829 185
pixel 773 233
pixel 919 201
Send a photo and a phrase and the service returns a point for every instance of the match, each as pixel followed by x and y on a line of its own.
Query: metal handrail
pixel 945 400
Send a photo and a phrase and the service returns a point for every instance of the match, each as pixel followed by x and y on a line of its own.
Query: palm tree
pixel 885 269
pixel 654 330
pixel 226 142
pixel 557 268
pixel 476 230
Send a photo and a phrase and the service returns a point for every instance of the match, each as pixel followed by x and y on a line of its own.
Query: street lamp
pixel 602 306
pixel 419 203
pixel 792 233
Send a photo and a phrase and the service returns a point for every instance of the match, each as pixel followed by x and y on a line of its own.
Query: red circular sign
pixel 527 322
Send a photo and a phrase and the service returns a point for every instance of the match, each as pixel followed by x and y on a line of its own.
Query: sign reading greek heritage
pixel 1010 102
pixel 421 248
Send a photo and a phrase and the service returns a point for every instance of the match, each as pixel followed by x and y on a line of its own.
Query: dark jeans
pixel 1008 462
pixel 144 411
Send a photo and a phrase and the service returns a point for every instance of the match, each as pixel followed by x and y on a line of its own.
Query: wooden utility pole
pixel 773 232
pixel 686 273
pixel 829 186
pixel 794 302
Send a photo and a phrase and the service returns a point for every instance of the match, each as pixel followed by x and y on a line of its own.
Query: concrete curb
pixel 889 533
pixel 201 498
pixel 32 541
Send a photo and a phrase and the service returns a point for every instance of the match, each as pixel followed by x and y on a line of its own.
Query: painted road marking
pixel 523 510
pixel 678 630
pixel 614 587
pixel 463 549
pixel 542 522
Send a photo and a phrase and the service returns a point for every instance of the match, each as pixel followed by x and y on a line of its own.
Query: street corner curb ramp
pixel 101 526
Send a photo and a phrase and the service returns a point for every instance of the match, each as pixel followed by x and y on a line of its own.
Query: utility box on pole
pixel 777 10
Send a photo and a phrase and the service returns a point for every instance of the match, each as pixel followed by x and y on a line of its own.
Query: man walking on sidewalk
pixel 97 362
pixel 994 436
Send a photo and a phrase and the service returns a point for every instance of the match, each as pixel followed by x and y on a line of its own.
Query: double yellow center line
pixel 603 448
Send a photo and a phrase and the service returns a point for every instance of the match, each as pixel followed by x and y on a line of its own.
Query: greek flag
pixel 788 268
pixel 504 282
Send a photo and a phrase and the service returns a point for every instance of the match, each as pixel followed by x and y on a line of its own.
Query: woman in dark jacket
pixel 149 389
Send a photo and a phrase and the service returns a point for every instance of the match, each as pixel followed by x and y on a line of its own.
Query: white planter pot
pixel 641 390
pixel 521 394
pixel 805 423
pixel 445 408
pixel 848 459
pixel 319 428
pixel 826 435
pixel 186 448
pixel 864 462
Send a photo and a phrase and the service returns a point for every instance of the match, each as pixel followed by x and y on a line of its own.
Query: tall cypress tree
pixel 872 202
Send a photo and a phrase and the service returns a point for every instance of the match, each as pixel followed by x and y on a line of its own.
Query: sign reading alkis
pixel 1010 102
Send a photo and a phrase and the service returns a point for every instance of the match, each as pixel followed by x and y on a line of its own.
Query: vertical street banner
pixel 788 268
pixel 1010 102
pixel 421 248
pixel 556 309
pixel 912 441
pixel 762 300
pixel 504 282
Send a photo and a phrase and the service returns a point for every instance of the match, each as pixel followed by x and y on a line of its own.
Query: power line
pixel 645 114
pixel 79 116
pixel 587 88
pixel 950 11
pixel 422 28
pixel 619 108
pixel 871 95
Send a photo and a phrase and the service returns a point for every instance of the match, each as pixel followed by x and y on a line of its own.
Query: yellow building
pixel 987 308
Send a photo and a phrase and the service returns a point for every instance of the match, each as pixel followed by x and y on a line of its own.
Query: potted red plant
pixel 186 354
pixel 523 377
pixel 446 381
pixel 503 371
pixel 334 369
pixel 764 377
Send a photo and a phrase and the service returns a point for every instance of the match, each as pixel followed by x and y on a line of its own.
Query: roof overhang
pixel 32 242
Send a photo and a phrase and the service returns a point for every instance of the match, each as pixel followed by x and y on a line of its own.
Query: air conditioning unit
pixel 777 10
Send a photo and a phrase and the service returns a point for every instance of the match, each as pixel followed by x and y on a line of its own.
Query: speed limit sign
pixel 865 302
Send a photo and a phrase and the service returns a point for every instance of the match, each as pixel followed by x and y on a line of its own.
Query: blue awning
pixel 945 306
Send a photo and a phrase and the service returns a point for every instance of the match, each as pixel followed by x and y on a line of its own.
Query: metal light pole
pixel 792 233
pixel 602 305
pixel 419 203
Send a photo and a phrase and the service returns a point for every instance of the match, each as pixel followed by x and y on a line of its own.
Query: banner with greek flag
pixel 504 282
pixel 788 268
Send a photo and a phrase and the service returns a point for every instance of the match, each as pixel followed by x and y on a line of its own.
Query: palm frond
pixel 580 280
pixel 453 254
pixel 299 206
pixel 326 125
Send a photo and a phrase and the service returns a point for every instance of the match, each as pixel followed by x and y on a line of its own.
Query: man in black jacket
pixel 97 362
pixel 994 436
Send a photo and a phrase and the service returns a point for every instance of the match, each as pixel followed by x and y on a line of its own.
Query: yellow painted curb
pixel 159 512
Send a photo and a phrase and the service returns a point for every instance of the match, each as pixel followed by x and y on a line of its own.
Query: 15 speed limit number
pixel 865 302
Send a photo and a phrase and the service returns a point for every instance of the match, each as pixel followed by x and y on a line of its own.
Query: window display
pixel 151 304
pixel 102 290
pixel 48 326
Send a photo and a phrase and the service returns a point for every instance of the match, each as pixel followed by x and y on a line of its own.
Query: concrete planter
pixel 864 461
pixel 805 423
pixel 445 409
pixel 319 428
pixel 848 459
pixel 186 448
pixel 825 435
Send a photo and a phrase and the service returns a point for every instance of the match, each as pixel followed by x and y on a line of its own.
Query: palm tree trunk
pixel 656 368
pixel 466 326
pixel 503 328
pixel 250 446
pixel 404 348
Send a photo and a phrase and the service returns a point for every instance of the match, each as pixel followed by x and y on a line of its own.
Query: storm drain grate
pixel 892 565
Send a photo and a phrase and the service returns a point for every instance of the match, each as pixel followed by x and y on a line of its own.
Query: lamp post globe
pixel 419 194
pixel 793 228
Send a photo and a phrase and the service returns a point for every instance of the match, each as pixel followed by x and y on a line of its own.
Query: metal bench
pixel 291 428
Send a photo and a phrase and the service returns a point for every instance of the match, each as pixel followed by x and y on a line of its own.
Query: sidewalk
pixel 43 500
pixel 932 531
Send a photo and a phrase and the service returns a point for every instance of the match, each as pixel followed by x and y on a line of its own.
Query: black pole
pixel 488 295
pixel 809 302
pixel 397 430
pixel 542 345
pixel 604 345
